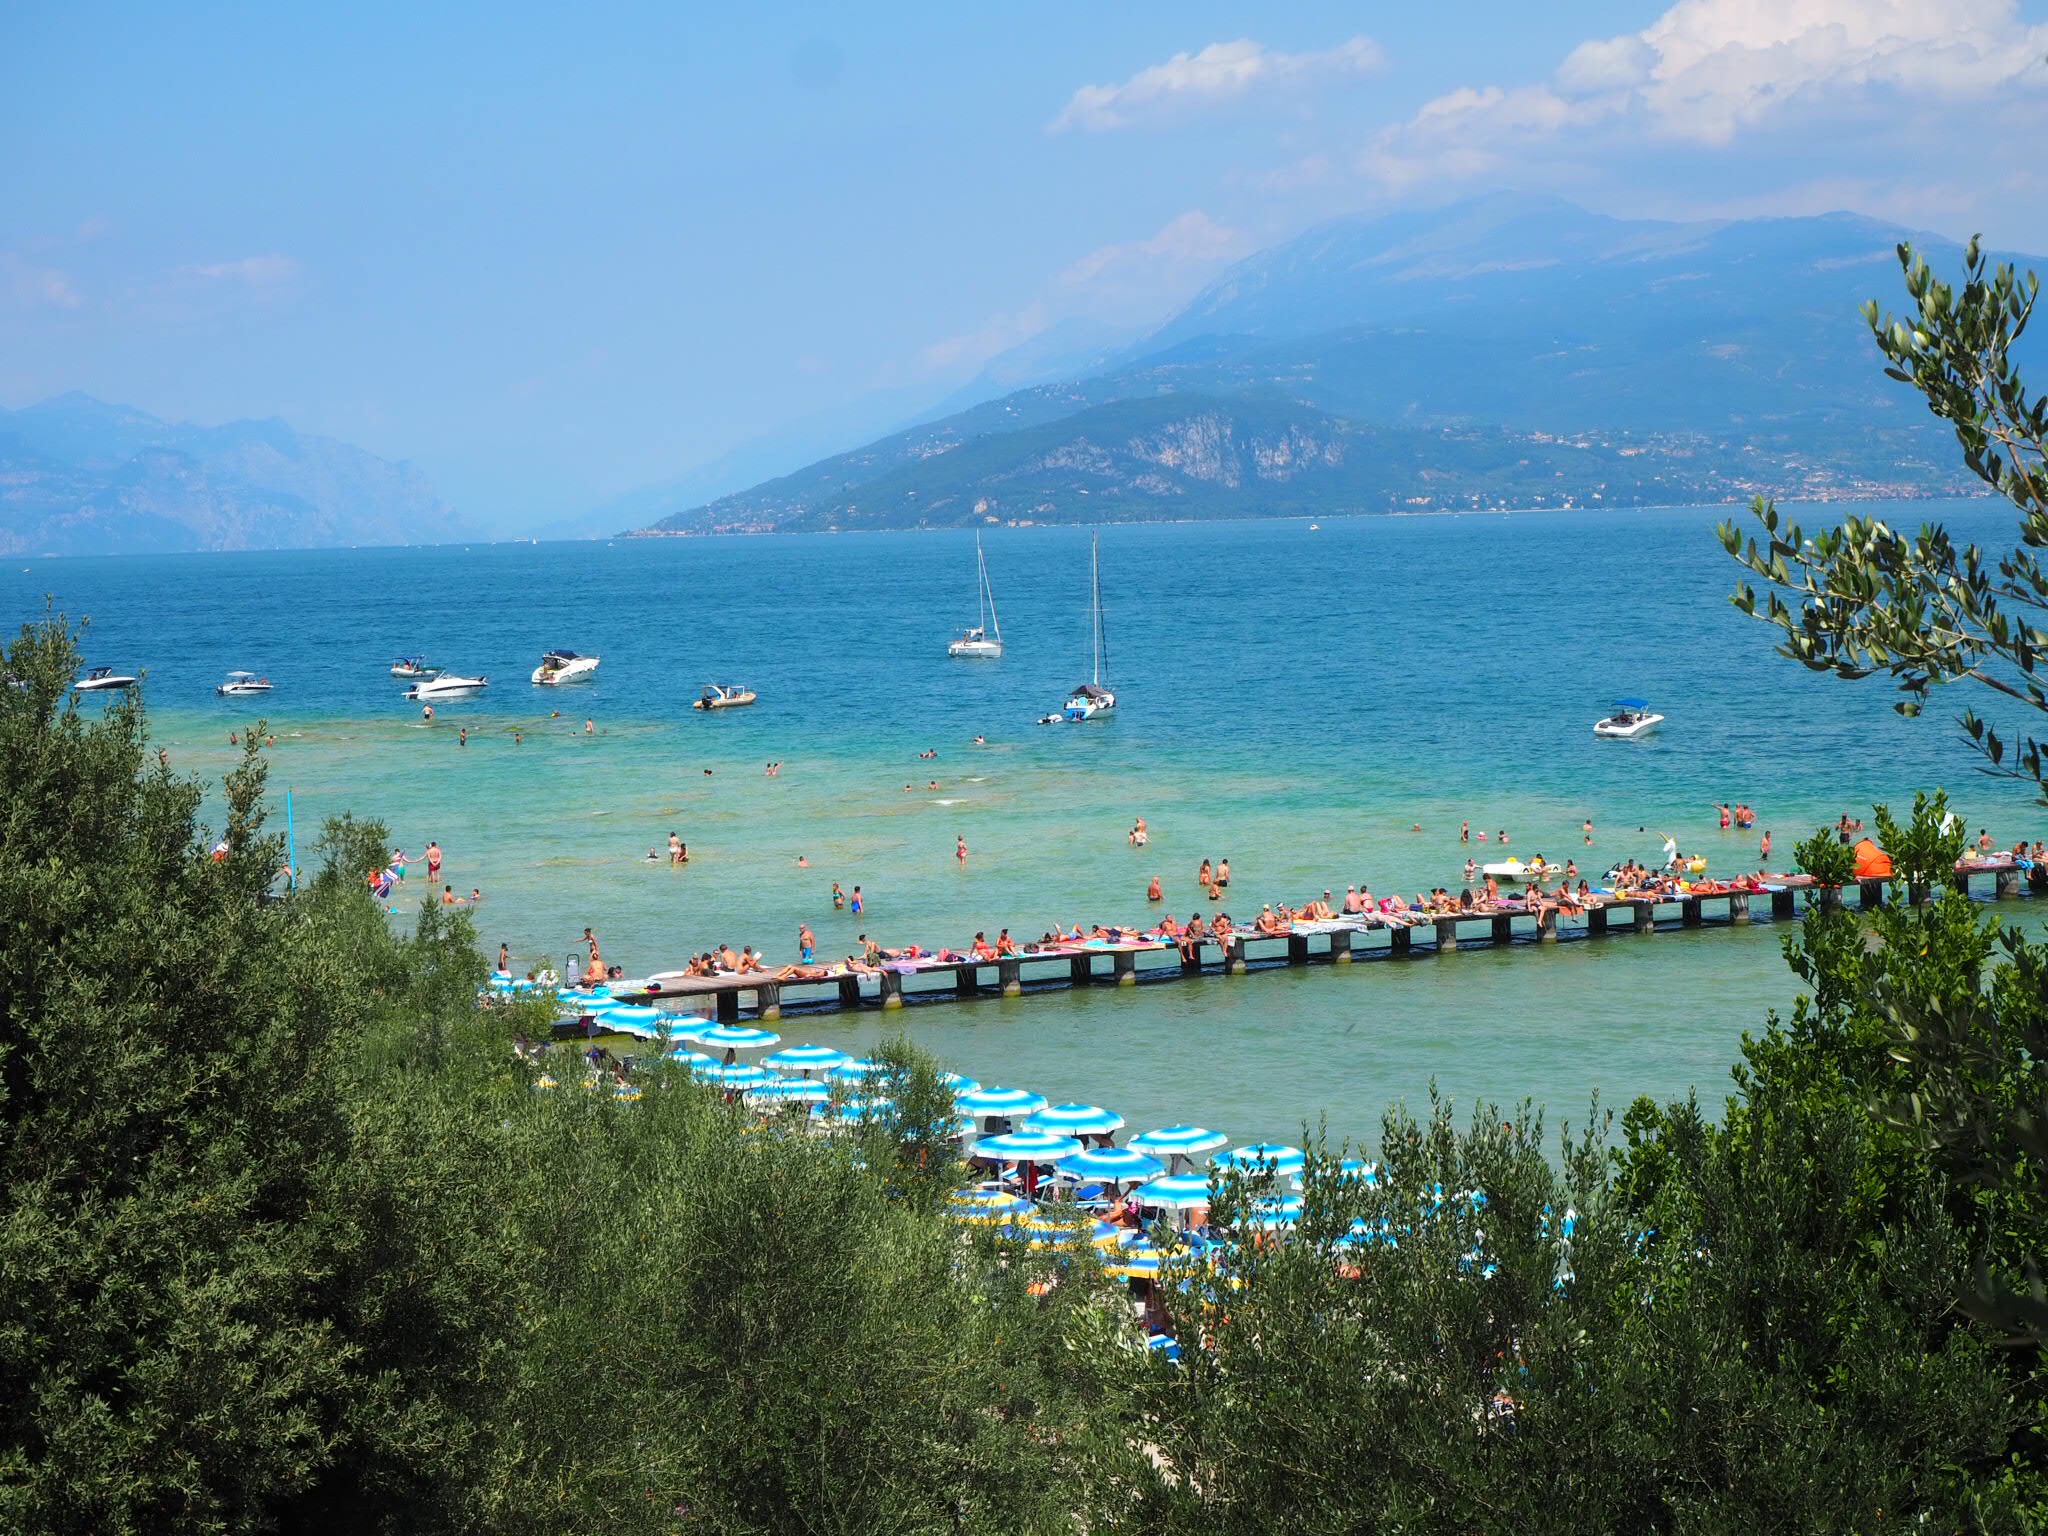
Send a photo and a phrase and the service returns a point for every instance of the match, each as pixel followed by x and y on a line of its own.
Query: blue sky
pixel 553 253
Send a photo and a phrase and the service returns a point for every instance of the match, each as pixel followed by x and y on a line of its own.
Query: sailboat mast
pixel 988 590
pixel 980 585
pixel 1095 599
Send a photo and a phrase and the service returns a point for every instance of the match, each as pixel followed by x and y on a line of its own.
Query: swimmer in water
pixel 981 741
pixel 960 849
pixel 590 727
pixel 462 740
pixel 1153 891
pixel 427 713
pixel 838 897
pixel 802 862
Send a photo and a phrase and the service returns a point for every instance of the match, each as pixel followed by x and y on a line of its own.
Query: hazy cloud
pixel 1706 71
pixel 250 271
pixel 1127 281
pixel 27 285
pixel 1221 72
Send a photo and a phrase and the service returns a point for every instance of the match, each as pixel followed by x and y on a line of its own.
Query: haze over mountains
pixel 81 477
pixel 1505 351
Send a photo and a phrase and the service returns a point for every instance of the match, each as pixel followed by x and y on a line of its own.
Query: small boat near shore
pixel 100 679
pixel 723 696
pixel 243 685
pixel 1629 719
pixel 413 666
pixel 557 667
pixel 447 687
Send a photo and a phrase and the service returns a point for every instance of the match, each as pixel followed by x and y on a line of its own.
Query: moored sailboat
pixel 985 639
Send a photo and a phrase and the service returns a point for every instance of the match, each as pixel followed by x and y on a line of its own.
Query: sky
pixel 551 253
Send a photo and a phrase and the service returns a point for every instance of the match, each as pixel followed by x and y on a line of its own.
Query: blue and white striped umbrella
pixel 1176 1192
pixel 1000 1101
pixel 1262 1157
pixel 735 1075
pixel 1115 1163
pixel 1074 1120
pixel 733 1037
pixel 1270 1215
pixel 957 1083
pixel 684 1057
pixel 854 1111
pixel 1026 1147
pixel 788 1091
pixel 1179 1141
pixel 860 1071
pixel 630 1019
pixel 1353 1170
pixel 1136 1261
pixel 805 1058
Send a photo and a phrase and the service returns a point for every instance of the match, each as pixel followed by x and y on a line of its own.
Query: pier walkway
pixel 767 995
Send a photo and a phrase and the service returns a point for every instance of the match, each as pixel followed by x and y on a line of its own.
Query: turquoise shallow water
pixel 1293 700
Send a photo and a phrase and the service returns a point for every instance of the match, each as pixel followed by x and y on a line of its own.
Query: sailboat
pixel 1091 698
pixel 986 638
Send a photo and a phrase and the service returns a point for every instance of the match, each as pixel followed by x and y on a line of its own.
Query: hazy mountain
pixel 1736 345
pixel 80 476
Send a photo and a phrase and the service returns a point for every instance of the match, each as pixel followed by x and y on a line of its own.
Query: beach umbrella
pixel 1262 1157
pixel 788 1091
pixel 1353 1170
pixel 1120 1164
pixel 859 1071
pixel 1271 1215
pixel 854 1111
pixel 733 1037
pixel 1138 1260
pixel 985 1204
pixel 999 1101
pixel 805 1058
pixel 733 1075
pixel 1176 1192
pixel 1026 1147
pixel 632 1019
pixel 1179 1141
pixel 957 1083
pixel 1074 1120
pixel 683 1056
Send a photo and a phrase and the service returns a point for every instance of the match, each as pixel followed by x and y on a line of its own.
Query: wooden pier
pixel 765 995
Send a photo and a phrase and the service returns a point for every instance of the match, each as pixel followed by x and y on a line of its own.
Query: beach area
pixel 1320 708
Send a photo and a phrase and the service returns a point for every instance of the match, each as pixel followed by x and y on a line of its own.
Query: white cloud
pixel 26 285
pixel 1707 71
pixel 1124 282
pixel 1221 72
pixel 251 271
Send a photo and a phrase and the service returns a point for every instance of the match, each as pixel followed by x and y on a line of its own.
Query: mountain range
pixel 81 476
pixel 1508 350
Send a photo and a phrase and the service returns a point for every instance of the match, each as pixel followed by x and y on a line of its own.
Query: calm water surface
pixel 1295 701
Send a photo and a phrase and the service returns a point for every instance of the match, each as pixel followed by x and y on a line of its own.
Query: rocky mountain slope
pixel 1709 360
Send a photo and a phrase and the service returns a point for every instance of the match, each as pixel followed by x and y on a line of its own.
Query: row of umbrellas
pixel 1043 1136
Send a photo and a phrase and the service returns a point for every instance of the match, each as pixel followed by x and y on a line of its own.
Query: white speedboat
pixel 100 679
pixel 446 687
pixel 986 638
pixel 242 685
pixel 1092 699
pixel 413 666
pixel 723 696
pixel 564 667
pixel 1630 718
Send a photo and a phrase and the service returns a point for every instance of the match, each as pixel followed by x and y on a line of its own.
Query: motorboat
pixel 242 685
pixel 413 666
pixel 99 679
pixel 564 667
pixel 986 638
pixel 723 696
pixel 446 687
pixel 1092 699
pixel 1629 718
